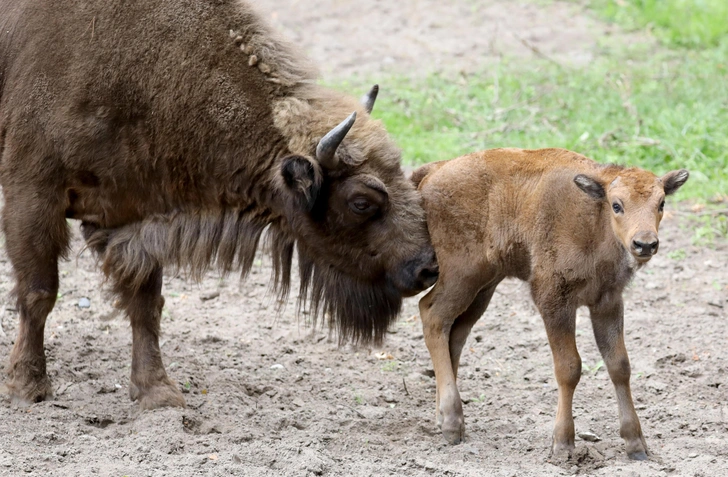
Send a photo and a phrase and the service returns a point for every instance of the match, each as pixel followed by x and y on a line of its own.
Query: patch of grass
pixel 592 369
pixel 708 229
pixel 681 23
pixel 660 111
pixel 390 366
pixel 678 254
pixel 479 399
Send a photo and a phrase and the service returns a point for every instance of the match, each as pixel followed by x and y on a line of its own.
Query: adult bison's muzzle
pixel 417 274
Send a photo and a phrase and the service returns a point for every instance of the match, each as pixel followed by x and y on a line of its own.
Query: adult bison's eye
pixel 617 208
pixel 362 206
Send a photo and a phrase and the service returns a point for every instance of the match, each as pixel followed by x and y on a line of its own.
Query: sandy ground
pixel 347 38
pixel 267 395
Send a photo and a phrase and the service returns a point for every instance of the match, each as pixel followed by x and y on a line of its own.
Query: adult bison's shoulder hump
pixel 128 91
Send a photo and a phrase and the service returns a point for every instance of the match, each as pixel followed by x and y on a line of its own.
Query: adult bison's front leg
pixel 149 382
pixel 36 235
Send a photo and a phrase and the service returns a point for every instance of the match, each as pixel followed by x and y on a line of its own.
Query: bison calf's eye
pixel 617 208
pixel 662 206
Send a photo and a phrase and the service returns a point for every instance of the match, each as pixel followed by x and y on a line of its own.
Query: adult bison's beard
pixel 360 311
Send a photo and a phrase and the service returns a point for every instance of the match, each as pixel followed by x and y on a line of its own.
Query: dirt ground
pixel 267 395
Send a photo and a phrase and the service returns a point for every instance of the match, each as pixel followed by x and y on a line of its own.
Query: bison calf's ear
pixel 593 188
pixel 303 178
pixel 673 180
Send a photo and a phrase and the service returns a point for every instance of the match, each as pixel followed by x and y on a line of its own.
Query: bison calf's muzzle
pixel 645 245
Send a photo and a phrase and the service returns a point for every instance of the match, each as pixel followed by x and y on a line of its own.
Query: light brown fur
pixel 546 217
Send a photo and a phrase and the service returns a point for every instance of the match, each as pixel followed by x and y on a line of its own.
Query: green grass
pixel 706 229
pixel 660 111
pixel 638 105
pixel 681 23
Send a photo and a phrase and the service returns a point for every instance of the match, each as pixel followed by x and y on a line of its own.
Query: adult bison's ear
pixel 303 178
pixel 591 186
pixel 673 180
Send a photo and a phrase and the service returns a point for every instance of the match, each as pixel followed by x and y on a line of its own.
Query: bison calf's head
pixel 360 228
pixel 635 200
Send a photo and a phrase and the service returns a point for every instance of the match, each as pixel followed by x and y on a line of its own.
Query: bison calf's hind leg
pixel 36 235
pixel 149 382
pixel 608 324
pixel 464 323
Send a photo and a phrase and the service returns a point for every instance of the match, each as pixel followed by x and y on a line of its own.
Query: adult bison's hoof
pixel 28 390
pixel 641 455
pixel 163 394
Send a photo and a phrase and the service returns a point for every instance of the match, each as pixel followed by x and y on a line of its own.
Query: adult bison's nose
pixel 645 245
pixel 418 274
pixel 427 274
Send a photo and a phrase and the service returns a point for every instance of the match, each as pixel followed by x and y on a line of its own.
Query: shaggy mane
pixel 198 242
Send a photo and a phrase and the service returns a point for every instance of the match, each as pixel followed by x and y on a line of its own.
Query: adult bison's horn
pixel 368 99
pixel 326 149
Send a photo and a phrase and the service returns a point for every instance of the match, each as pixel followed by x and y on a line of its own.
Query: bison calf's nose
pixel 646 246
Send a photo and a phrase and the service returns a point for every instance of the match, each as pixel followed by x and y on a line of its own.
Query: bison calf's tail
pixel 421 172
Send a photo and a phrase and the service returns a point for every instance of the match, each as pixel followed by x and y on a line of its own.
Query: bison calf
pixel 573 229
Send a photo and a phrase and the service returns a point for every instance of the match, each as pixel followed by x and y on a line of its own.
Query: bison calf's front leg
pixel 608 323
pixel 560 321
pixel 149 382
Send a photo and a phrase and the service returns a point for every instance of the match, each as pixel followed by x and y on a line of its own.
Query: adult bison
pixel 177 131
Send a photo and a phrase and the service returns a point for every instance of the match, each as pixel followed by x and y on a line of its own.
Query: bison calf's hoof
pixel 562 451
pixel 164 394
pixel 641 455
pixel 637 448
pixel 453 430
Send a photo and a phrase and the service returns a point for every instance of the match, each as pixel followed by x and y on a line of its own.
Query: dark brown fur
pixel 178 131
pixel 573 229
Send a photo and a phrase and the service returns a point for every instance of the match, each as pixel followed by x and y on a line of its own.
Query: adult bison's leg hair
pixel 608 323
pixel 465 322
pixel 149 382
pixel 559 317
pixel 439 310
pixel 36 234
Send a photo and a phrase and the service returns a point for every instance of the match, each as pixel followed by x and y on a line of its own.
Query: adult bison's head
pixel 358 222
